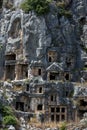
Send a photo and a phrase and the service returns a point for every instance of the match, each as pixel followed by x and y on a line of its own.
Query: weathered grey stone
pixel 17 3
pixel 30 38
pixel 11 128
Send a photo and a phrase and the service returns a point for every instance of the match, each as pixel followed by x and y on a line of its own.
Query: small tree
pixel 7 111
pixel 10 120
pixel 39 6
pixel 8 115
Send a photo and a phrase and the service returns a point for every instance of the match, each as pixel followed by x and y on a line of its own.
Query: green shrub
pixel 62 10
pixel 39 6
pixel 61 4
pixel 10 120
pixel 83 48
pixel 8 115
pixel 1 46
pixel 63 126
pixel 85 68
pixel 65 13
pixel 25 6
pixel 7 111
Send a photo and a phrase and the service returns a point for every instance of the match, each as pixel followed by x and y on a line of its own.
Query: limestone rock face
pixel 44 48
pixel 35 34
pixel 32 34
pixel 29 35
pixel 17 3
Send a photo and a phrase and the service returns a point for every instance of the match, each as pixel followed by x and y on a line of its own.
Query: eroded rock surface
pixel 46 59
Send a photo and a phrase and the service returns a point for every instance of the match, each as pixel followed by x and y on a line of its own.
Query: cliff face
pixel 32 34
pixel 51 52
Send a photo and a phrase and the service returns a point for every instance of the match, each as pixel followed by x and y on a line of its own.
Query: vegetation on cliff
pixel 39 6
pixel 8 117
pixel 63 10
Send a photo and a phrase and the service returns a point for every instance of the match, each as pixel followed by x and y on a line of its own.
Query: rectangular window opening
pixel 27 88
pixel 63 109
pixel 39 71
pixel 58 109
pixel 40 90
pixel 50 59
pixel 20 106
pixel 52 77
pixel 51 97
pixel 52 109
pixel 39 107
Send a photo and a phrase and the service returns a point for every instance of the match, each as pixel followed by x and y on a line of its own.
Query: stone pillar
pixel 76 116
pixel 66 114
pixel 18 72
pixel 48 76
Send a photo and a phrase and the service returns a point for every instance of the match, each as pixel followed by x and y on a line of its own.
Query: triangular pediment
pixel 82 92
pixel 54 67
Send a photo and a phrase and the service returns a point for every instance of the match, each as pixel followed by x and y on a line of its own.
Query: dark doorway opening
pixel 20 106
pixel 52 118
pixel 57 118
pixel 11 57
pixel 52 109
pixel 26 74
pixel 50 59
pixel 52 77
pixel 51 97
pixel 27 88
pixel 83 103
pixel 82 20
pixel 58 109
pixel 39 107
pixel 10 72
pixel 40 90
pixel 67 76
pixel 39 71
pixel 66 93
pixel 62 117
pixel 63 109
